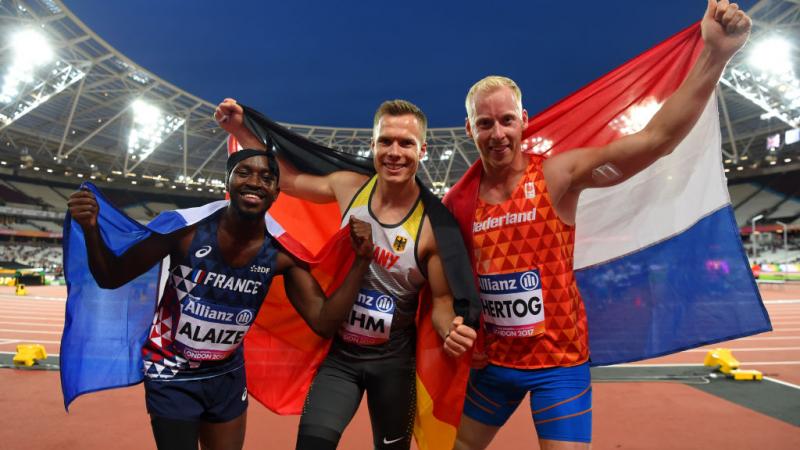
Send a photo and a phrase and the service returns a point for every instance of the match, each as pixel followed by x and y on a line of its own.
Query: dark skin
pixel 240 235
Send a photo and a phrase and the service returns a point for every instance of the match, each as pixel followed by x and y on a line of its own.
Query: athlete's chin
pixel 397 176
pixel 250 212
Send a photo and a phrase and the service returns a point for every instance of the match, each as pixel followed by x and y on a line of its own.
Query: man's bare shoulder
pixel 348 179
pixel 427 240
pixel 345 185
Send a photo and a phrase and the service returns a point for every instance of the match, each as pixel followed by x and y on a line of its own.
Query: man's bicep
pixel 609 165
pixel 147 253
pixel 437 279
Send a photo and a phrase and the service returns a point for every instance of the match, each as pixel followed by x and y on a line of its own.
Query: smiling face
pixel 398 145
pixel 253 187
pixel 496 127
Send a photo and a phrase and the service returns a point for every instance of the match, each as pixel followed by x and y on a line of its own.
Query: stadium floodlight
pixel 34 75
pixel 773 55
pixel 766 77
pixel 150 128
pixel 30 51
pixel 447 154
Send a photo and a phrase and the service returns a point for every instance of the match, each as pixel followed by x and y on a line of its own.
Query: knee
pixel 315 437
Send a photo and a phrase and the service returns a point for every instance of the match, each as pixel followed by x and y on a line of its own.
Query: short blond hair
pixel 489 84
pixel 400 107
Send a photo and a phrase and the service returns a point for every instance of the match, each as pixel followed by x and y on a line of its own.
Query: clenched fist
pixel 361 238
pixel 459 339
pixel 83 208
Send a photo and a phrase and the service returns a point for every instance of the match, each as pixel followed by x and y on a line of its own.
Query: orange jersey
pixel 531 308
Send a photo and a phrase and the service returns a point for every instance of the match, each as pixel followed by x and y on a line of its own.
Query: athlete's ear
pixel 524 118
pixel 468 128
pixel 422 150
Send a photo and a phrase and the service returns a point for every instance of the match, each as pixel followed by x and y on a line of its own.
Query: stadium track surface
pixel 660 403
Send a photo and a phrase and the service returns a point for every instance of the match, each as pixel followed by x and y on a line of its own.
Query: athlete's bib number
pixel 512 303
pixel 370 320
pixel 208 331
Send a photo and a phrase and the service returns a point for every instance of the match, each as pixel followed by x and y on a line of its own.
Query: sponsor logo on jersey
pixel 203 251
pixel 370 320
pixel 259 269
pixel 506 219
pixel 209 331
pixel 512 303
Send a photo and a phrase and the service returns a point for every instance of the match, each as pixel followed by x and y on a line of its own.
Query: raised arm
pixel 725 30
pixel 338 186
pixel 457 338
pixel 324 315
pixel 109 270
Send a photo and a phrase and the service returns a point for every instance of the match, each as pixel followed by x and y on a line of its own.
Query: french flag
pixel 105 329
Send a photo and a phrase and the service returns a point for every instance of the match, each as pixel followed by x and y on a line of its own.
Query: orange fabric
pixel 545 243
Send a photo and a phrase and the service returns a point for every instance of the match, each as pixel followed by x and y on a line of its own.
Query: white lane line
pixel 35 297
pixel 32 312
pixel 765 338
pixel 8 341
pixel 787 301
pixel 37 341
pixel 785 383
pixel 32 307
pixel 737 349
pixel 35 324
pixel 36 332
pixel 748 363
pixel 14 353
pixel 32 316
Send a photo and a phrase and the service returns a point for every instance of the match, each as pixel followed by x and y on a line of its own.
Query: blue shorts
pixel 217 399
pixel 561 399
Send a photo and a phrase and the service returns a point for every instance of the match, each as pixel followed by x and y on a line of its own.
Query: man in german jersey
pixel 220 271
pixel 533 315
pixel 374 350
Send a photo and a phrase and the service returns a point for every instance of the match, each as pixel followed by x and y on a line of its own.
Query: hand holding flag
pixel 83 208
pixel 725 28
pixel 459 339
pixel 361 237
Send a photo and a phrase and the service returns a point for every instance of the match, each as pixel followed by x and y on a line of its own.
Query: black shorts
pixel 390 384
pixel 218 399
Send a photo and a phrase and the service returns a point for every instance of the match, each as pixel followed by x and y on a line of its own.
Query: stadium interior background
pixel 74 109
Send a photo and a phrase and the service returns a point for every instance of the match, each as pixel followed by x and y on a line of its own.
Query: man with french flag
pixel 538 227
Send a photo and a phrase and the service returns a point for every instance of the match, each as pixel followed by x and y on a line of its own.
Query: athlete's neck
pixel 499 182
pixel 392 201
pixel 244 228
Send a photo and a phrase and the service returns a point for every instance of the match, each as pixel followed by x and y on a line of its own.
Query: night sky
pixel 333 62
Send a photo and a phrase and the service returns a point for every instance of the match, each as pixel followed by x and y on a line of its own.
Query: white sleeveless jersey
pixel 386 306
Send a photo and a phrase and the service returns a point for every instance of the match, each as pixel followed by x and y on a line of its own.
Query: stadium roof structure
pixel 72 105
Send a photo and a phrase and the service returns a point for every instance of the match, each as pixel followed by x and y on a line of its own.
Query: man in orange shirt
pixel 522 234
